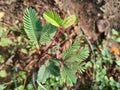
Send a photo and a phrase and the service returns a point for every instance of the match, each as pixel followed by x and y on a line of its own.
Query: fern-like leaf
pixel 74 56
pixel 75 53
pixel 32 25
pixel 67 75
pixel 69 21
pixel 47 33
pixel 77 66
pixel 83 53
pixel 50 68
pixel 68 52
pixel 53 18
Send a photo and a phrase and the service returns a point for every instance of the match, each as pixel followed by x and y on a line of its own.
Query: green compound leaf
pixel 74 56
pixel 69 21
pixel 47 33
pixel 69 51
pixel 75 53
pixel 32 25
pixel 53 18
pixel 50 68
pixel 67 76
pixel 83 53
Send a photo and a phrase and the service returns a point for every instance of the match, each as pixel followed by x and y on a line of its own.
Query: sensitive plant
pixel 72 57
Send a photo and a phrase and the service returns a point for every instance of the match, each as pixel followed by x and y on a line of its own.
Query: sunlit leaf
pixel 69 21
pixel 21 87
pixel 52 17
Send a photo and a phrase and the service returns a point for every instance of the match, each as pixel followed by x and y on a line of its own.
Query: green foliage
pixel 5 42
pixel 30 87
pixel 46 70
pixel 32 25
pixel 115 35
pixel 2 87
pixel 54 19
pixel 1 58
pixel 118 62
pixel 3 32
pixel 102 81
pixel 34 30
pixel 51 83
pixel 74 55
pixel 69 51
pixel 106 56
pixel 67 75
pixel 47 33
pixel 21 76
pixel 69 21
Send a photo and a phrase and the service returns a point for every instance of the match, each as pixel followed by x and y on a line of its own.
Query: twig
pixel 41 85
pixel 90 45
pixel 33 81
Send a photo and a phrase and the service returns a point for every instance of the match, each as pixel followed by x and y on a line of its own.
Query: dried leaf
pixel 115 50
